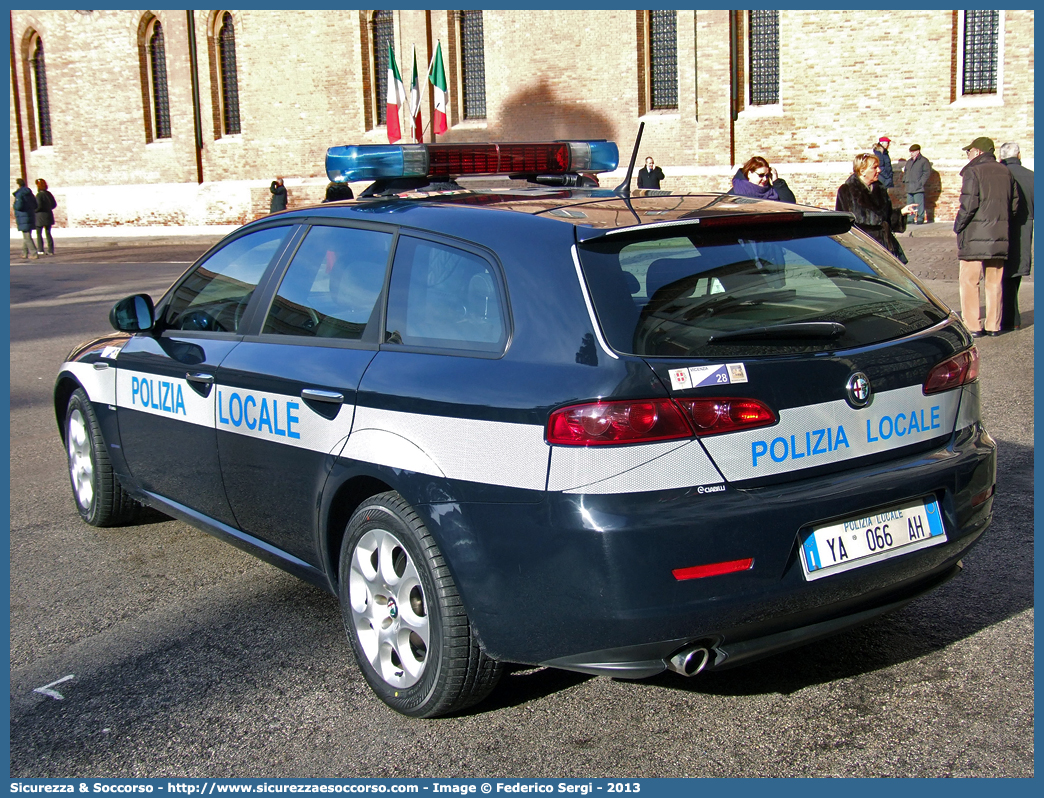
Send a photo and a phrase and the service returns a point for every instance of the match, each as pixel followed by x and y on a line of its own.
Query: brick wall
pixel 305 83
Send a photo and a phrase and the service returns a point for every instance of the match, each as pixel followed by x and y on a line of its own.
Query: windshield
pixel 721 295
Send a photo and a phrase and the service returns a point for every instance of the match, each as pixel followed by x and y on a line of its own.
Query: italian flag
pixel 437 76
pixel 396 98
pixel 415 103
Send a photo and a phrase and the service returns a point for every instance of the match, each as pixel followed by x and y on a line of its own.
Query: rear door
pixel 285 397
pixel 165 397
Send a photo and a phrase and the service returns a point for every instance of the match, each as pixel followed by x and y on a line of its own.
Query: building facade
pixel 185 117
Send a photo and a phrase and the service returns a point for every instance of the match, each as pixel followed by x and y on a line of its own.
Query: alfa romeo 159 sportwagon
pixel 547 422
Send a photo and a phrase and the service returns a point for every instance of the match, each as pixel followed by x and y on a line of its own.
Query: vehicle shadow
pixel 522 684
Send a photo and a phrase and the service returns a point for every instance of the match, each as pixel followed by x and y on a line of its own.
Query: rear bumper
pixel 737 646
pixel 585 582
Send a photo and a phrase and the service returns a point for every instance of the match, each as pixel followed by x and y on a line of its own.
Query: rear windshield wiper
pixel 799 329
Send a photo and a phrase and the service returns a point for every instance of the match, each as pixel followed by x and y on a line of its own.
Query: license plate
pixel 859 541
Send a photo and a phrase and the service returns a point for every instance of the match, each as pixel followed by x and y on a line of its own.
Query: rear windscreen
pixel 716 295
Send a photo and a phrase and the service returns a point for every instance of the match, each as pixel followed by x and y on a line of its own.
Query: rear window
pixel 717 295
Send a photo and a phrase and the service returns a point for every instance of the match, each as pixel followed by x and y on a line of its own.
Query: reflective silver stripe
pixel 490 452
pixel 832 432
pixel 100 384
pixel 630 469
pixel 590 306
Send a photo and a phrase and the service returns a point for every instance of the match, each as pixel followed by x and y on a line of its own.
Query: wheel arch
pixel 346 492
pixel 338 506
pixel 63 391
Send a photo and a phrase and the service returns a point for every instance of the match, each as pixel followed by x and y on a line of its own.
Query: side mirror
pixel 133 314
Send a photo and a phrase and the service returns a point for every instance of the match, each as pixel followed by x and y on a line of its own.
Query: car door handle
pixel 201 383
pixel 315 395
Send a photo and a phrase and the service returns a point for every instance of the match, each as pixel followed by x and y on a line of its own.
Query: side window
pixel 214 297
pixel 442 296
pixel 331 287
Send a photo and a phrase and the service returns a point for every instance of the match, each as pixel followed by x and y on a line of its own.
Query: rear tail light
pixel 952 373
pixel 599 423
pixel 713 415
pixel 648 420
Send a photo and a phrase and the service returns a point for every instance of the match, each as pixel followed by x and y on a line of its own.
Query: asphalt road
pixel 190 658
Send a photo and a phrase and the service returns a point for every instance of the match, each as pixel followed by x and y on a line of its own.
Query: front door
pixel 166 404
pixel 286 396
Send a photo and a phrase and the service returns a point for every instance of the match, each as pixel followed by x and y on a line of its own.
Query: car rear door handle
pixel 315 395
pixel 201 383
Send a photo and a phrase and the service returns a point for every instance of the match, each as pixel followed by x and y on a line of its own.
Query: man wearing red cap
pixel 884 161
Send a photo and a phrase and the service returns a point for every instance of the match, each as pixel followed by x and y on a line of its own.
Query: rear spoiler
pixel 811 222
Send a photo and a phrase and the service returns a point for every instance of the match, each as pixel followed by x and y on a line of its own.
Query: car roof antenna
pixel 624 189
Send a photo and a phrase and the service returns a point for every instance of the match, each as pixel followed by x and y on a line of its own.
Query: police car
pixel 546 422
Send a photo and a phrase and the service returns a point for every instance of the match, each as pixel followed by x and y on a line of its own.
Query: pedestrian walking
pixel 915 175
pixel 45 205
pixel 279 196
pixel 25 217
pixel 1020 245
pixel 651 175
pixel 884 161
pixel 863 196
pixel 989 200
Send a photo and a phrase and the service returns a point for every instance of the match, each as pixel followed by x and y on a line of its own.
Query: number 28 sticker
pixel 703 376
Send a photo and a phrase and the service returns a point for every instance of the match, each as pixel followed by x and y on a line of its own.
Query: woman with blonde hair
pixel 867 200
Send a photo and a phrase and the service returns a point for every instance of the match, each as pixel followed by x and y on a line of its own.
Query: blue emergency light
pixel 353 162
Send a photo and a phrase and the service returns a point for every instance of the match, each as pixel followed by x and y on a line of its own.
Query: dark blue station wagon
pixel 546 423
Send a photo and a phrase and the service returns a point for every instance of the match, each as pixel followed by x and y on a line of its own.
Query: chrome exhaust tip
pixel 689 661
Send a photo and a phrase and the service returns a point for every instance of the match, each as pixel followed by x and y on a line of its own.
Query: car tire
pixel 403 615
pixel 99 496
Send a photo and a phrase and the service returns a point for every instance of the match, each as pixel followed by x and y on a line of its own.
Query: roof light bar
pixel 389 161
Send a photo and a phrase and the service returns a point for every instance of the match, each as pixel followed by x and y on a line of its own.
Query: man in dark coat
pixel 915 176
pixel 650 176
pixel 989 200
pixel 1020 245
pixel 25 217
pixel 278 195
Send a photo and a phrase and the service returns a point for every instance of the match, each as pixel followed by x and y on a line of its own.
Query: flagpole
pixel 431 88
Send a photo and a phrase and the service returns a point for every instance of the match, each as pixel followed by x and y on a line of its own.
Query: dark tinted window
pixel 215 295
pixel 331 288
pixel 723 295
pixel 444 297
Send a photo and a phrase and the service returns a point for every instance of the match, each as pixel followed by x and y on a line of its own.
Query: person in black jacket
pixel 279 196
pixel 25 217
pixel 1020 242
pixel 651 175
pixel 863 196
pixel 989 200
pixel 915 174
pixel 338 191
pixel 45 205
